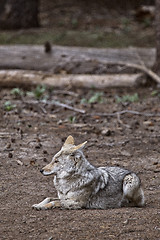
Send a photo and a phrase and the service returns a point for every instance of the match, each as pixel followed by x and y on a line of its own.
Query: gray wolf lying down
pixel 82 185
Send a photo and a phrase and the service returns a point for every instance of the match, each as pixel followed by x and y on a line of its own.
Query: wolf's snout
pixel 41 171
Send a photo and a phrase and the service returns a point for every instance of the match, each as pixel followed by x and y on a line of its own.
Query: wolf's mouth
pixel 45 173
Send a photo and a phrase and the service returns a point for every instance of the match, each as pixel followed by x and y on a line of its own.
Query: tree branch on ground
pixel 142 68
pixel 124 112
pixel 56 103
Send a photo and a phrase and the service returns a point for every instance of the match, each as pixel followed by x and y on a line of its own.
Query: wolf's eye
pixel 72 154
pixel 56 161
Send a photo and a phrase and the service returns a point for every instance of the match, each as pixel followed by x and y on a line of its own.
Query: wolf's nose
pixel 41 170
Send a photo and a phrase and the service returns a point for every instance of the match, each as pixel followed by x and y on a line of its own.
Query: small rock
pixel 157 166
pixel 45 152
pixel 59 122
pixel 155 163
pixel 39 145
pixel 8 146
pixel 10 155
pixel 125 153
pixel 19 162
pixel 148 123
pixel 45 159
pixel 126 221
pixel 51 238
pixel 32 162
pixel 106 132
pixel 13 140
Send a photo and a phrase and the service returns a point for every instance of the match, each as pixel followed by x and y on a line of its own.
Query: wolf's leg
pixel 47 203
pixel 132 190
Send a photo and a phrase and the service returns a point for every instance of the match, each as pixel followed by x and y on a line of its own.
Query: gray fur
pixel 79 184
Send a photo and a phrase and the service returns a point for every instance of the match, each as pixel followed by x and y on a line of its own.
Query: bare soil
pixel 31 134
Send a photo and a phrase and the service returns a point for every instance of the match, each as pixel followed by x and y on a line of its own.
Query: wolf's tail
pixel 132 190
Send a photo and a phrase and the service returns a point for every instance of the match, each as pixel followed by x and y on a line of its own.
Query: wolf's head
pixel 67 160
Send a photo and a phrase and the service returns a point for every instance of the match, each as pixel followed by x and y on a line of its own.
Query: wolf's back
pixel 112 193
pixel 116 174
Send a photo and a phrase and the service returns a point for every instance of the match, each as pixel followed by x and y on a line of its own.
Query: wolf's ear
pixel 80 146
pixel 69 140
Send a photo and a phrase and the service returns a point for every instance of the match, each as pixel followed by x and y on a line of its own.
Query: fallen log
pixel 23 78
pixel 74 60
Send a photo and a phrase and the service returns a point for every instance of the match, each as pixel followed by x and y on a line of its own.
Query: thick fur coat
pixel 79 184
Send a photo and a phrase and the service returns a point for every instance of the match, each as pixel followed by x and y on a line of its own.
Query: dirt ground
pixel 31 133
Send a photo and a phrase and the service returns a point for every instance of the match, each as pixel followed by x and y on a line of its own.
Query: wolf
pixel 79 184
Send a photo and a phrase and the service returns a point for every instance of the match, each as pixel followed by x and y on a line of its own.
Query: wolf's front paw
pixel 37 206
pixel 41 205
pixel 44 207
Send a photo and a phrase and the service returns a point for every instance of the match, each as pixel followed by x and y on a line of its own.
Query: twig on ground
pixel 142 67
pixel 66 93
pixel 125 111
pixel 119 120
pixel 43 109
pixel 63 105
pixel 56 103
pixel 33 103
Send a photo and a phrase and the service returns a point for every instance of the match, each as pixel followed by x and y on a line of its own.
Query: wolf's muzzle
pixel 41 171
